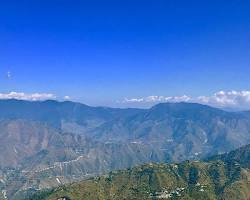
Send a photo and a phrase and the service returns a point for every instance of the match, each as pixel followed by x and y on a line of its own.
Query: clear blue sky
pixel 102 51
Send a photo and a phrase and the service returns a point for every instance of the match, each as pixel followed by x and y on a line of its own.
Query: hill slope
pixel 214 179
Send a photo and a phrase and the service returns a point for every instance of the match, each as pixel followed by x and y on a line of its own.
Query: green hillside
pixel 214 179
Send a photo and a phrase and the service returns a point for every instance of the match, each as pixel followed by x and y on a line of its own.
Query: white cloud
pixel 8 74
pixel 157 99
pixel 24 96
pixel 133 100
pixel 183 98
pixel 66 97
pixel 227 99
pixel 223 99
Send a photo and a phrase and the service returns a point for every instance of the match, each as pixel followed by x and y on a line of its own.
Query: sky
pixel 126 53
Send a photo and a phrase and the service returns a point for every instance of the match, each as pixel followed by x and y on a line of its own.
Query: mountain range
pixel 48 144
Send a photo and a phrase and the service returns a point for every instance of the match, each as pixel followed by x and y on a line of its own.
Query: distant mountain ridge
pixel 53 112
pixel 50 143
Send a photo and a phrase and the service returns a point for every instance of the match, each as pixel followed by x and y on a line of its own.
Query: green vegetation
pixel 214 179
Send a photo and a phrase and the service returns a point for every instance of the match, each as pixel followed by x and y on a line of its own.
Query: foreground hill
pixel 46 144
pixel 226 179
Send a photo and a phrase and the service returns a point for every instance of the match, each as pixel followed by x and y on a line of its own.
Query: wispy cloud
pixel 25 96
pixel 223 99
pixel 157 99
pixel 8 74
